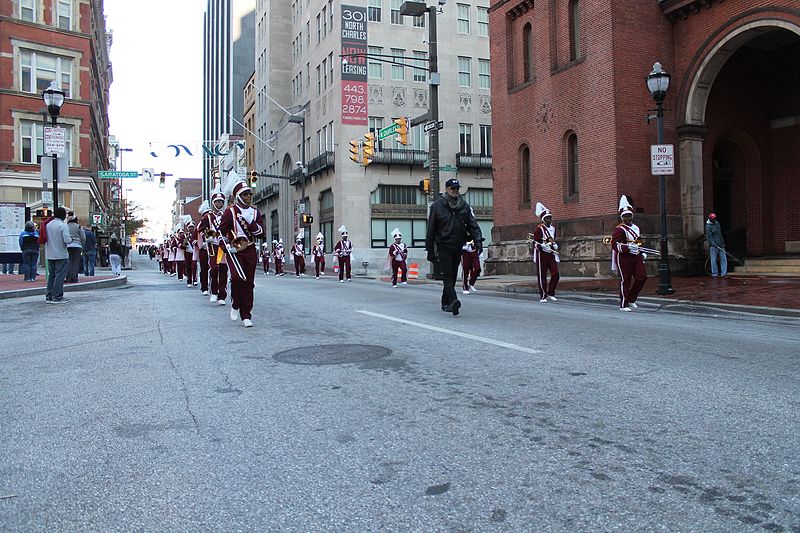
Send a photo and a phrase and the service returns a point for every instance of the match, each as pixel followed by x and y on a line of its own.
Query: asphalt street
pixel 146 408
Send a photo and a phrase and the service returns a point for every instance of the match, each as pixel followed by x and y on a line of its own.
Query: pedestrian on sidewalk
pixel 115 254
pixel 545 254
pixel 29 244
pixel 450 223
pixel 89 251
pixel 8 268
pixel 75 248
pixel 716 247
pixel 58 237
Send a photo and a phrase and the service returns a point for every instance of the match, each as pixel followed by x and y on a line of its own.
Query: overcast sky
pixel 156 95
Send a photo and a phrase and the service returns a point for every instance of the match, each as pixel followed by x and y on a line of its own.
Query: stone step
pixel 769 263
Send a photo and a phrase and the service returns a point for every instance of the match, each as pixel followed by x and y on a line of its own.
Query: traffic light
pixel 425 186
pixel 43 213
pixel 402 130
pixel 162 181
pixel 355 151
pixel 306 219
pixel 253 179
pixel 369 148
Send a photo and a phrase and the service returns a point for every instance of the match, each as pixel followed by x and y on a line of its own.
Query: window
pixel 463 18
pixel 397 194
pixel 573 174
pixel 527 53
pixel 418 22
pixel 330 67
pixel 464 71
pixel 484 76
pixel 420 67
pixel 319 81
pixel 483 21
pixel 398 71
pixel 395 16
pixel 374 68
pixel 273 222
pixel 331 140
pixel 465 139
pixel 486 140
pixel 374 10
pixel 479 197
pixel 330 14
pixel 308 34
pixel 375 124
pixel 525 174
pixel 319 29
pixel 27 10
pixel 65 14
pixel 413 232
pixel 324 21
pixel 32 141
pixel 419 139
pixel 325 73
pixel 37 70
pixel 574 30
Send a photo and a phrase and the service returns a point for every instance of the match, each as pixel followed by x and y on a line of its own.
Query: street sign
pixel 116 174
pixel 47 198
pixel 55 140
pixel 662 159
pixel 47 169
pixel 433 126
pixel 97 219
pixel 447 168
pixel 148 175
pixel 387 131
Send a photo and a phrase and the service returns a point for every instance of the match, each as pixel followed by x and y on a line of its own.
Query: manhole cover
pixel 332 354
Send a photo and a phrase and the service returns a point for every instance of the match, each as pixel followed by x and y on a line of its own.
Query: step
pixel 773 269
pixel 759 263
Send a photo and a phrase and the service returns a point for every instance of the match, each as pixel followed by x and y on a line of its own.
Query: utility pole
pixel 434 81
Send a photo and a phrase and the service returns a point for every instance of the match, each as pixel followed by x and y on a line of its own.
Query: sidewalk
pixel 13 286
pixel 779 295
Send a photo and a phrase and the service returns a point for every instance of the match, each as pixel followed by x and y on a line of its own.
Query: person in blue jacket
pixel 29 244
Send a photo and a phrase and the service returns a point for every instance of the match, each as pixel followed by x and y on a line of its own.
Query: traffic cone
pixel 413 271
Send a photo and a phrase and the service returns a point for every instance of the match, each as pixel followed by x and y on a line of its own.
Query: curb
pixel 117 281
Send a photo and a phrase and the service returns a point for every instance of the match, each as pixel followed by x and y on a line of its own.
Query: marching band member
pixel 278 253
pixel 218 269
pixel 191 269
pixel 343 250
pixel 626 258
pixel 299 256
pixel 318 251
pixel 202 252
pixel 159 250
pixel 470 266
pixel 265 253
pixel 170 255
pixel 398 253
pixel 179 245
pixel 545 254
pixel 239 227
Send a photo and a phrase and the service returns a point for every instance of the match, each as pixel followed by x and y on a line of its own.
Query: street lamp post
pixel 54 98
pixel 657 84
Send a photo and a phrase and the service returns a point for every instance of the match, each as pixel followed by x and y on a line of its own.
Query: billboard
pixel 354 66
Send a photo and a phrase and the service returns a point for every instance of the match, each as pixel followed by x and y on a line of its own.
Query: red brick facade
pixel 750 125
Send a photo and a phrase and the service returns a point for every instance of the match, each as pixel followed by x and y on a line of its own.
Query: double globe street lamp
pixel 657 84
pixel 54 98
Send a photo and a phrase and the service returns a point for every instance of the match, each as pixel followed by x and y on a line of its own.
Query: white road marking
pixel 455 333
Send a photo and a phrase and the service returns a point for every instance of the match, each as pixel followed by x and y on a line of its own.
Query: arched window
pixel 525 174
pixel 527 52
pixel 573 174
pixel 574 30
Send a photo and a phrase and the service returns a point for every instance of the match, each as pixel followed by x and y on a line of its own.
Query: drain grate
pixel 332 354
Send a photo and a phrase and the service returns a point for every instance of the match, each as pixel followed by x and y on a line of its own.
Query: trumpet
pixel 637 242
pixel 210 233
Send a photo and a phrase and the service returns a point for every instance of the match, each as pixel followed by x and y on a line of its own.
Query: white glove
pixel 644 256
pixel 555 246
pixel 545 247
pixel 230 248
pixel 634 249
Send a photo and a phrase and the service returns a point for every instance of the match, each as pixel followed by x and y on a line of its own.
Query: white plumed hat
pixel 204 208
pixel 300 236
pixel 396 233
pixel 343 229
pixel 541 211
pixel 625 206
pixel 320 236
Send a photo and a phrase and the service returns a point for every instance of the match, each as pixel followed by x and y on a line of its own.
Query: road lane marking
pixel 455 333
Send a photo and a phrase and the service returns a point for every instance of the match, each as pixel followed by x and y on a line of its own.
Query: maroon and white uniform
pixel 241 222
pixel 546 259
pixel 202 255
pixel 343 250
pixel 318 251
pixel 278 253
pixel 218 271
pixel 398 253
pixel 190 260
pixel 299 256
pixel 470 265
pixel 628 261
pixel 179 246
pixel 265 257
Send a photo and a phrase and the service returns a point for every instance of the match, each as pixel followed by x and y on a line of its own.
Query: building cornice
pixel 522 6
pixel 43 27
pixel 676 9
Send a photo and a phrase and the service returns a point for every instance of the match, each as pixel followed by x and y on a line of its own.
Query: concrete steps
pixel 777 266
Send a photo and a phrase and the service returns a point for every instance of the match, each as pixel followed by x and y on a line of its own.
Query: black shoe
pixel 456 306
pixel 447 308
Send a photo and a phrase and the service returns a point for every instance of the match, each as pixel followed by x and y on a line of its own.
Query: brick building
pixel 63 41
pixel 569 107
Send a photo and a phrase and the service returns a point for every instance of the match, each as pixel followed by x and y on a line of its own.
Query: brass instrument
pixel 549 241
pixel 210 233
pixel 637 242
pixel 240 243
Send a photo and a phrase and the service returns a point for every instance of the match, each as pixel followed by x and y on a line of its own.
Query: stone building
pixel 570 106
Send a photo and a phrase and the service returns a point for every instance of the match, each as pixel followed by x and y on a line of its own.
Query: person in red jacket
pixel 319 255
pixel 626 258
pixel 545 254
pixel 239 227
pixel 398 253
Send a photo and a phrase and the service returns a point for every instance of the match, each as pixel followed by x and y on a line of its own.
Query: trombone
pixel 637 242
pixel 549 241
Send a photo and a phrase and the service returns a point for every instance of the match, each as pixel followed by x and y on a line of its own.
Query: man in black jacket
pixel 451 223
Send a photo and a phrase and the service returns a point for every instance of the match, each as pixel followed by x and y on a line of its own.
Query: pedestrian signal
pixel 402 130
pixel 306 219
pixel 425 186
pixel 355 151
pixel 369 148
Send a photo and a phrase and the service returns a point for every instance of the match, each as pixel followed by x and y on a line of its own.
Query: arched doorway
pixel 741 117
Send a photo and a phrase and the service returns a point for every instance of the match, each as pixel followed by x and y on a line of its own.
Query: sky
pixel 156 96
